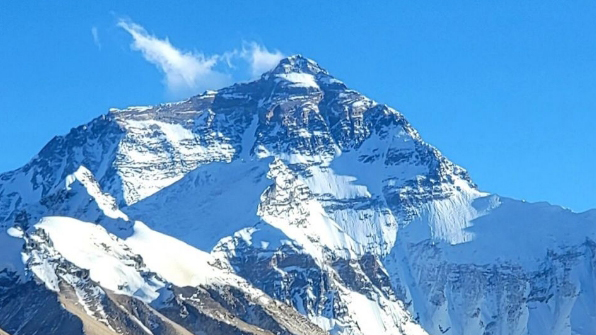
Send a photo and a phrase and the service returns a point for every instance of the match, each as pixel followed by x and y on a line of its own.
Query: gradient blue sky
pixel 506 89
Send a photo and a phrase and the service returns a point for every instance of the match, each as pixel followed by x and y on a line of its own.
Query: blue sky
pixel 506 89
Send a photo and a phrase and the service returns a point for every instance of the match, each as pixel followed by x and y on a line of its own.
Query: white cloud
pixel 187 73
pixel 95 35
pixel 260 59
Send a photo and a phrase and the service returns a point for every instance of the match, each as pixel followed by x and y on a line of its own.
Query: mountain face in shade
pixel 287 205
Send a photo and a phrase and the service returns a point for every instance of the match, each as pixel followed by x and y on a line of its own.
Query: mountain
pixel 287 205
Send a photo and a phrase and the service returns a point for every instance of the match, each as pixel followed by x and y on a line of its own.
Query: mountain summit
pixel 299 64
pixel 287 205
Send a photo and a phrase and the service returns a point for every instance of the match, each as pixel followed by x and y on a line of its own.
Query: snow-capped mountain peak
pixel 287 205
pixel 297 64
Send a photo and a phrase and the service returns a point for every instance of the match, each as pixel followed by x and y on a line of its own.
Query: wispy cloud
pixel 185 72
pixel 95 35
pixel 188 72
pixel 260 59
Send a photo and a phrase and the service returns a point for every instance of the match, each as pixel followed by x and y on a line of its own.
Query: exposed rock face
pixel 29 308
pixel 288 205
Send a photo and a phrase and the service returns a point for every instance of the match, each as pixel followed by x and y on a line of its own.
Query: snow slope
pixel 89 246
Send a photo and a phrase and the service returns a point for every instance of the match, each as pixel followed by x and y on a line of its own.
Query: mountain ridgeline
pixel 287 205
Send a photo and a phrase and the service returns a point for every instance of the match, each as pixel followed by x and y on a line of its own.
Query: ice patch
pixel 299 79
